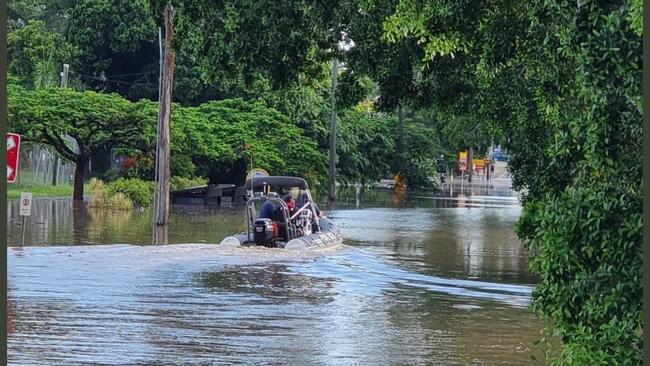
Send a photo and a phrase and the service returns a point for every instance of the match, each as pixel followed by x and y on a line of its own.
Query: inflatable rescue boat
pixel 273 220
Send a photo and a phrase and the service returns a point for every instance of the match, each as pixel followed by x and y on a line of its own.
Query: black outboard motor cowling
pixel 263 234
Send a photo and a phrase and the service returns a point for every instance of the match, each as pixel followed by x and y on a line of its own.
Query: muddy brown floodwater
pixel 420 280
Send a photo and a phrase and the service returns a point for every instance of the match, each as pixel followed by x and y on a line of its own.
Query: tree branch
pixel 57 143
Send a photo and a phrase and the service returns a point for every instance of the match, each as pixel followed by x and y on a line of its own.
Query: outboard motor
pixel 264 232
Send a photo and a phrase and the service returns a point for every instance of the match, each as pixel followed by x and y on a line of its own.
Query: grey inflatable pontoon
pixel 300 229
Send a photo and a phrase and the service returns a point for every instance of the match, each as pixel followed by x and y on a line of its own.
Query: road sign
pixel 479 164
pixel 462 160
pixel 13 151
pixel 25 204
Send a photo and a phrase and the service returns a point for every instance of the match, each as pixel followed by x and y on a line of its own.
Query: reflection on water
pixel 64 222
pixel 420 281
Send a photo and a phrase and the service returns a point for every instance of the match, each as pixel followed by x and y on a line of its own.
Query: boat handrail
pixel 300 210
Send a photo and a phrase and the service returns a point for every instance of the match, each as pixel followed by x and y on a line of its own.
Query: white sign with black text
pixel 25 204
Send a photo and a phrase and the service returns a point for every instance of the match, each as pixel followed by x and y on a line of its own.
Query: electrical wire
pixel 115 81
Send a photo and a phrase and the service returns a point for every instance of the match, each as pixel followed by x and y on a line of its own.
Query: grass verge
pixel 45 191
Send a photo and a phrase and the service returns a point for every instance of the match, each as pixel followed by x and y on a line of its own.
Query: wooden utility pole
pixel 162 154
pixel 331 182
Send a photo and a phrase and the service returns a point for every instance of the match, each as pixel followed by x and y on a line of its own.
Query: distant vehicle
pixel 499 156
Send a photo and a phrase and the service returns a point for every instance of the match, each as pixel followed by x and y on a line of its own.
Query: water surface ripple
pixel 411 286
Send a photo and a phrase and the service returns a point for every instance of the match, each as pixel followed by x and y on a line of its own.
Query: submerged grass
pixel 120 201
pixel 102 198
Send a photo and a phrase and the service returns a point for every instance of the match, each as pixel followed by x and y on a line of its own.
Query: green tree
pixel 36 55
pixel 253 129
pixel 559 83
pixel 366 144
pixel 392 66
pixel 216 140
pixel 397 65
pixel 236 44
pixel 96 122
pixel 119 46
pixel 52 12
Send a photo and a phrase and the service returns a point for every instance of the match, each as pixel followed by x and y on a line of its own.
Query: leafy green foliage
pixel 187 182
pixel 412 20
pixel 37 54
pixel 251 129
pixel 96 122
pixel 234 41
pixel 558 83
pixel 140 192
pixel 367 142
pixel 392 65
pixel 119 46
pixel 217 139
pixel 365 146
pixel 306 104
pixel 53 13
pixel 214 140
pixel 591 265
pixel 138 165
pixel 425 147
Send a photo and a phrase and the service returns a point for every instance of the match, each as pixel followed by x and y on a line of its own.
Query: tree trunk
pixel 331 182
pixel 55 171
pixel 79 171
pixel 162 214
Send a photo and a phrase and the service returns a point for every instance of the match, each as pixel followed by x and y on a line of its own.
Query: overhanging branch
pixel 60 146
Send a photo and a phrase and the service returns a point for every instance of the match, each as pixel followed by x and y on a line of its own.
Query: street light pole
pixel 331 182
pixel 64 84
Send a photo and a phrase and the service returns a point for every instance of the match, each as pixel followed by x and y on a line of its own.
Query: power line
pixel 134 74
pixel 114 81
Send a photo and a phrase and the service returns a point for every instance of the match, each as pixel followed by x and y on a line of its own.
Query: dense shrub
pixel 140 192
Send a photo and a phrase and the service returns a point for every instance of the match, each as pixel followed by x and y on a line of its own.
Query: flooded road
pixel 421 280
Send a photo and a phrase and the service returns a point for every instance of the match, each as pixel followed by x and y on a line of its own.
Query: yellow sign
pixel 462 160
pixel 462 156
pixel 478 163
